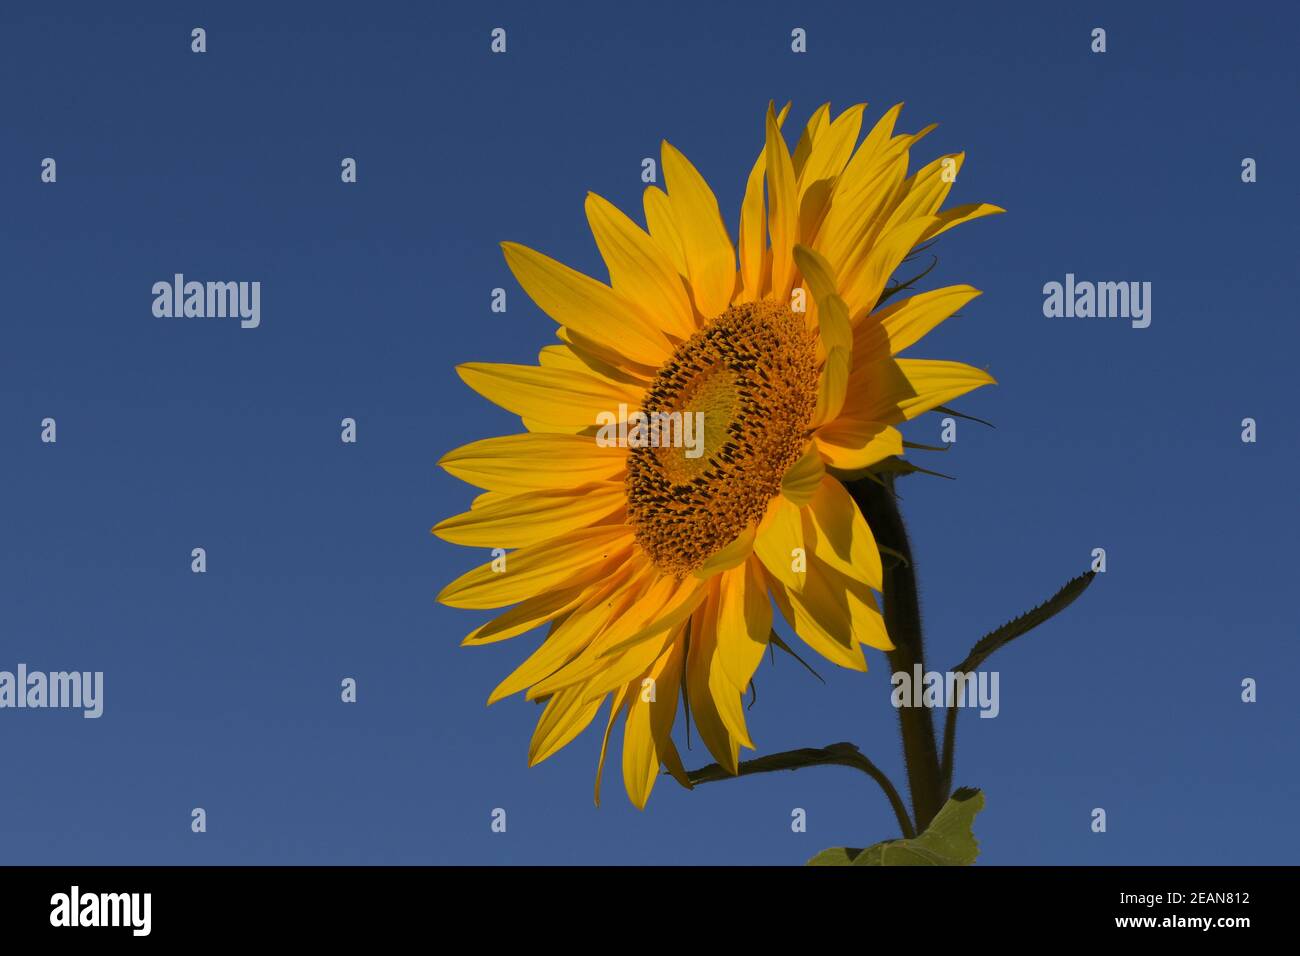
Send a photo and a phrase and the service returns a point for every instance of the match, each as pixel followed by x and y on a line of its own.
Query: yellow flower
pixel 656 566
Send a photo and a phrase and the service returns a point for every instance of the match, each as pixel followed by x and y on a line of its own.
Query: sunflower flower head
pixel 653 566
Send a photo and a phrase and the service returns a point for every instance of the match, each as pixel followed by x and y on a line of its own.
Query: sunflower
pixel 655 570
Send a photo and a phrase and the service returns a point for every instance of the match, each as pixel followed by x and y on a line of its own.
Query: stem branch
pixel 842 754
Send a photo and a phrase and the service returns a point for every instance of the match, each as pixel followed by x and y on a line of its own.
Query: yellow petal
pixel 618 668
pixel 819 275
pixel 783 209
pixel 834 330
pixel 753 222
pixel 704 708
pixel 574 359
pixel 780 535
pixel 903 323
pixel 488 498
pixel 640 759
pixel 731 555
pixel 606 355
pixel 668 604
pixel 586 306
pixel 862 201
pixel 958 215
pixel 662 228
pixel 817 123
pixel 514 463
pixel 621 699
pixel 831 149
pixel 729 702
pixel 832 387
pixel 546 428
pixel 552 395
pixel 866 622
pixel 574 634
pixel 894 390
pixel 673 762
pixel 744 622
pixel 525 616
pixel 630 640
pixel 710 258
pixel 520 520
pixel 816 178
pixel 835 531
pixel 832 314
pixel 849 445
pixel 803 478
pixel 927 189
pixel 638 269
pixel 567 714
pixel 852 221
pixel 819 614
pixel 867 159
pixel 843 605
pixel 529 571
pixel 651 712
pixel 864 285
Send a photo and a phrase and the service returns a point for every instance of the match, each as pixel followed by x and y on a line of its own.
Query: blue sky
pixel 222 689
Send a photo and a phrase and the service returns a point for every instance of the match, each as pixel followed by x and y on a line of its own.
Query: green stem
pixel 902 613
pixel 842 754
pixel 949 742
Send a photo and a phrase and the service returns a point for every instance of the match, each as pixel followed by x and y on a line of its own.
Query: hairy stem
pixel 841 754
pixel 949 740
pixel 902 612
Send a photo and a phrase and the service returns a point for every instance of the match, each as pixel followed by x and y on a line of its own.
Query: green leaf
pixel 1026 622
pixel 835 856
pixel 949 840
